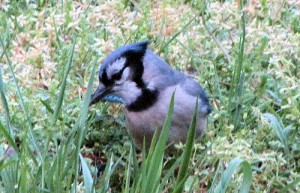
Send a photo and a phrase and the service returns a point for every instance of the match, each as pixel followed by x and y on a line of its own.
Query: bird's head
pixel 121 74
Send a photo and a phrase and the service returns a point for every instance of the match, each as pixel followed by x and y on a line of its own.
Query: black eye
pixel 117 76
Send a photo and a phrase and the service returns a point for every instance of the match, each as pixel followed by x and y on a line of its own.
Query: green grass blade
pixel 152 147
pixel 48 107
pixel 215 179
pixel 9 176
pixel 81 123
pixel 6 165
pixel 247 171
pixel 3 98
pixel 106 175
pixel 8 134
pixel 58 105
pixel 290 186
pixel 191 190
pixel 128 170
pixel 186 156
pixel 279 131
pixel 63 85
pixel 8 137
pixel 156 159
pixel 179 185
pixel 136 169
pixel 56 34
pixel 87 176
pixel 167 176
pixel 141 181
pixel 236 88
pixel 28 130
pixel 227 175
pixel 109 169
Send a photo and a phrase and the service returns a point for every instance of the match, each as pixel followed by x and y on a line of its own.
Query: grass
pixel 246 56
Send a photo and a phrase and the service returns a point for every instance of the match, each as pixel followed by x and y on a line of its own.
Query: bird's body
pixel 145 84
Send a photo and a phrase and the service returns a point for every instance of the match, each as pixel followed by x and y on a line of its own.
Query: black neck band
pixel 144 101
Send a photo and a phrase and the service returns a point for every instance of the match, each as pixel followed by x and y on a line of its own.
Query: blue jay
pixel 144 83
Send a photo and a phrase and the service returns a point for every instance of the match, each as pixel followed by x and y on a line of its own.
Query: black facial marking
pixel 109 82
pixel 118 75
pixel 144 101
pixel 137 71
pixel 104 79
pixel 134 60
pixel 134 54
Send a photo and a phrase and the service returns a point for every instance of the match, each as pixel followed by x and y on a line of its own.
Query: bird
pixel 144 83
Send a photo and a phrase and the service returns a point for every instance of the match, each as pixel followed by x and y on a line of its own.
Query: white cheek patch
pixel 116 67
pixel 129 92
pixel 124 77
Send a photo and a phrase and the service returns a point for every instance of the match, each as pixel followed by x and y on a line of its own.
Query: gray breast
pixel 143 124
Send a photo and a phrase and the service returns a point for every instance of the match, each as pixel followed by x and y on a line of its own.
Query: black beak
pixel 99 94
